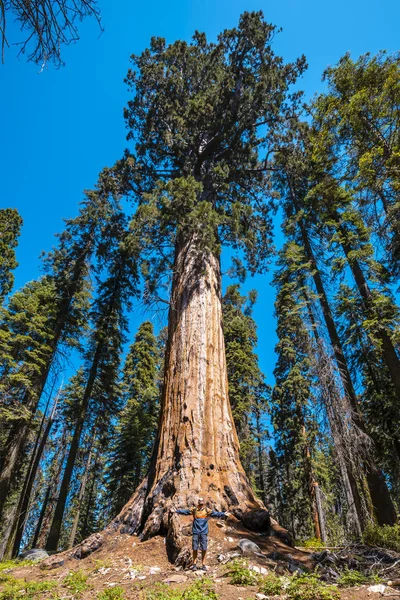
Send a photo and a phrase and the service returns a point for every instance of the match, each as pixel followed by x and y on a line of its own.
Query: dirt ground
pixel 137 566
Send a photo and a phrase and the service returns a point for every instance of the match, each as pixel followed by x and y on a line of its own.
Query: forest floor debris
pixel 124 568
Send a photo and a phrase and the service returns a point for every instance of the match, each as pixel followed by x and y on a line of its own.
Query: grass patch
pixel 310 587
pixel 385 536
pixel 272 585
pixel 76 581
pixel 352 577
pixel 14 564
pixel 202 589
pixel 115 593
pixel 240 574
pixel 14 589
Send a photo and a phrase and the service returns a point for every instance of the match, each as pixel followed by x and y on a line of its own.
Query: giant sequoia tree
pixel 199 116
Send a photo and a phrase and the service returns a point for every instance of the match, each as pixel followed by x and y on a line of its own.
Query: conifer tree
pixel 102 356
pixel 199 115
pixel 68 267
pixel 291 404
pixel 26 332
pixel 137 422
pixel 360 113
pixel 10 226
pixel 246 382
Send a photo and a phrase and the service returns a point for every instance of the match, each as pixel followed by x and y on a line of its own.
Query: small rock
pixel 104 570
pixel 35 555
pixel 154 570
pixel 175 579
pixel 230 539
pixel 142 577
pixel 377 589
pixel 260 596
pixel 248 547
pixel 257 569
pixel 53 562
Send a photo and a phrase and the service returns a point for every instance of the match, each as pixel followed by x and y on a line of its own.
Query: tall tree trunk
pixel 383 506
pixel 81 494
pixel 55 529
pixel 18 436
pixel 24 501
pixel 197 449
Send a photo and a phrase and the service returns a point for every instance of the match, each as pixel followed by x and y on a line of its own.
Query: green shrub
pixel 352 577
pixel 310 587
pixel 115 593
pixel 202 589
pixel 240 574
pixel 76 582
pixel 385 536
pixel 272 585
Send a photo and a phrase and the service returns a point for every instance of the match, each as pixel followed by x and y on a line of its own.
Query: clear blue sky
pixel 60 127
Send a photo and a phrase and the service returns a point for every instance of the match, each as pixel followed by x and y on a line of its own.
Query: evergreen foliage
pixel 137 421
pixel 10 227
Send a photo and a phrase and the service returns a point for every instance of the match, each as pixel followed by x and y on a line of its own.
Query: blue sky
pixel 60 127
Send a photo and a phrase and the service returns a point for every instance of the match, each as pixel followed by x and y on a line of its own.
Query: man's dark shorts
pixel 199 541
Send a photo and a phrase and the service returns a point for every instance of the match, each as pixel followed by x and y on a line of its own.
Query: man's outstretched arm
pixel 183 511
pixel 219 515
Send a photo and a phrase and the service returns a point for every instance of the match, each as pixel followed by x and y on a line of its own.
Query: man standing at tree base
pixel 200 514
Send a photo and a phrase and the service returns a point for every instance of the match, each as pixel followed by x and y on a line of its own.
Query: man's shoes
pixel 193 568
pixel 204 568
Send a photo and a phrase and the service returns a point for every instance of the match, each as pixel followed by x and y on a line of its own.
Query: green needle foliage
pixel 199 118
pixel 137 421
pixel 10 227
pixel 248 393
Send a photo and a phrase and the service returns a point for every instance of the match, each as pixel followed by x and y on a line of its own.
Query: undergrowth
pixel 352 577
pixel 240 574
pixel 385 536
pixel 14 589
pixel 76 582
pixel 115 593
pixel 310 587
pixel 202 589
pixel 15 563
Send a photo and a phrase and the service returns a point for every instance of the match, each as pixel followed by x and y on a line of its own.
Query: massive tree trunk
pixel 197 449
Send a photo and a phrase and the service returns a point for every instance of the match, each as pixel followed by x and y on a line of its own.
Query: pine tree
pixel 137 422
pixel 301 179
pixel 360 113
pixel 102 357
pixel 26 333
pixel 68 267
pixel 291 404
pixel 246 383
pixel 10 226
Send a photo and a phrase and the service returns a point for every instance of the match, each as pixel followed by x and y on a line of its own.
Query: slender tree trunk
pixel 85 525
pixel 23 505
pixel 18 436
pixel 41 516
pixel 388 350
pixel 382 502
pixel 197 449
pixel 55 529
pixel 82 491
